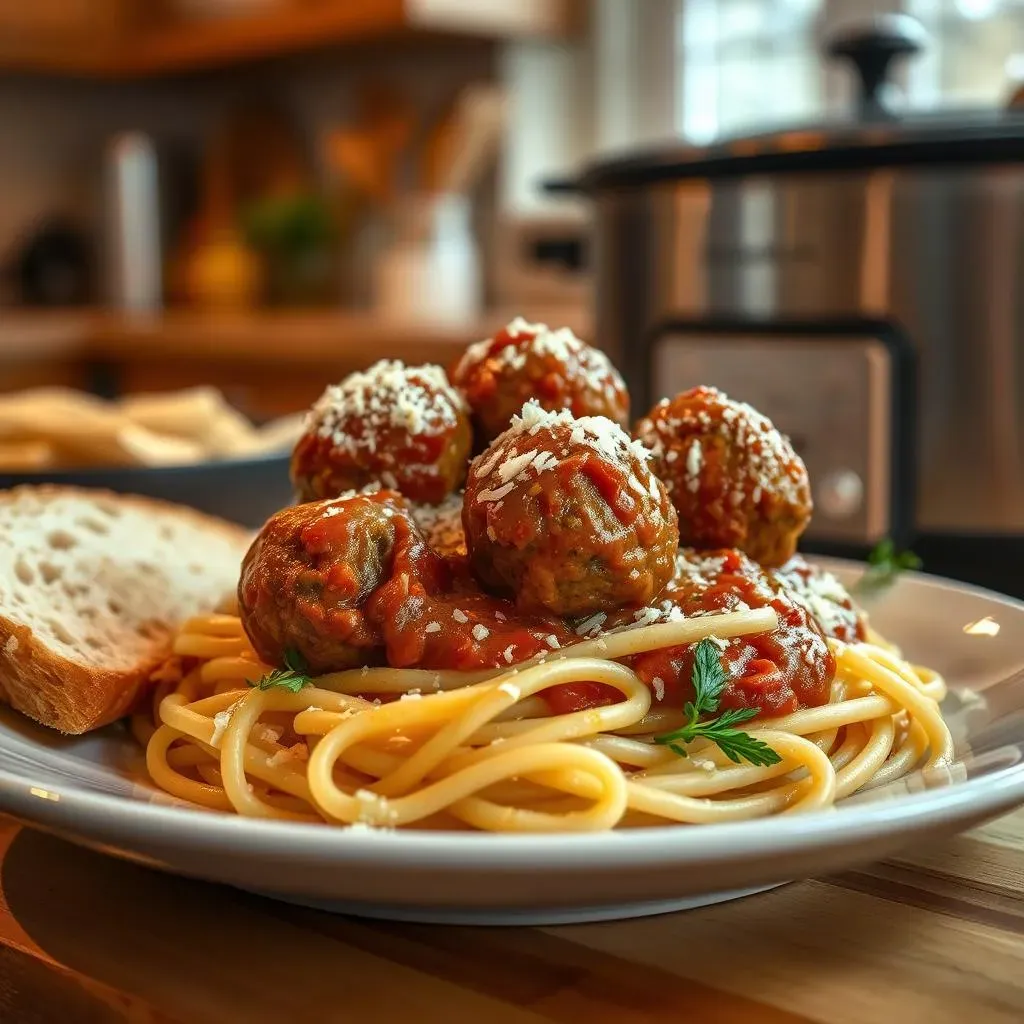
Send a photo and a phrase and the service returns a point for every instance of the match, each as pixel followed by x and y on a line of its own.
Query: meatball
pixel 735 480
pixel 352 581
pixel 530 361
pixel 405 427
pixel 307 576
pixel 565 515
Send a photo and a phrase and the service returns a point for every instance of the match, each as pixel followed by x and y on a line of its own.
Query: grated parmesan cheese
pixel 583 363
pixel 441 525
pixel 513 461
pixel 767 458
pixel 221 721
pixel 388 396
pixel 694 461
pixel 589 625
pixel 280 757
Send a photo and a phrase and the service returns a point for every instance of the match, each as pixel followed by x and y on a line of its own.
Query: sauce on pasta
pixel 566 646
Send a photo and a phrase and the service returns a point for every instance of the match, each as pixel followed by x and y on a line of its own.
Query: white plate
pixel 93 791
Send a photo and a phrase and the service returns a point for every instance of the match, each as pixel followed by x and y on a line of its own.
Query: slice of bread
pixel 92 587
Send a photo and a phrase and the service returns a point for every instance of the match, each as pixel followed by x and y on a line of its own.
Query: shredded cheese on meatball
pixel 768 454
pixel 509 466
pixel 389 395
pixel 562 344
pixel 822 595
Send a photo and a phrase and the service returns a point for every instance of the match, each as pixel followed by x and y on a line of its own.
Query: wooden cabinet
pixel 54 35
pixel 139 38
pixel 57 21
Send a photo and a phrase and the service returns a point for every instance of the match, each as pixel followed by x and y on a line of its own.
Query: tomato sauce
pixel 458 627
pixel 777 672
pixel 431 614
pixel 365 582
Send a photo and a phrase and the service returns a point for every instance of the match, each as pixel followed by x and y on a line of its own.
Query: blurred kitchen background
pixel 262 195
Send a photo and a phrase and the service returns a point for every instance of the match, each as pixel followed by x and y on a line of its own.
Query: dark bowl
pixel 244 491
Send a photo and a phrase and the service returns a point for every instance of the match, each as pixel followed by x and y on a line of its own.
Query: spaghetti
pixel 406 748
pixel 557 661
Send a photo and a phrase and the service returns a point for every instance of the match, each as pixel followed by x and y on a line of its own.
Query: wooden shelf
pixel 216 43
pixel 326 337
pixel 268 364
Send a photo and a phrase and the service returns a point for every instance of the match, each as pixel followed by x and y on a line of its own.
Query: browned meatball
pixel 524 362
pixel 405 427
pixel 307 575
pixel 735 481
pixel 565 514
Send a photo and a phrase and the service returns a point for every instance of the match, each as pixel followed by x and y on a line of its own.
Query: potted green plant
pixel 296 235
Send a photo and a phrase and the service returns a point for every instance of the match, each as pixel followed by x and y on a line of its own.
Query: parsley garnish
pixel 885 563
pixel 293 677
pixel 709 681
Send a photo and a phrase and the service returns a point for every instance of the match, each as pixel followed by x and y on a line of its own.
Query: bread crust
pixel 75 698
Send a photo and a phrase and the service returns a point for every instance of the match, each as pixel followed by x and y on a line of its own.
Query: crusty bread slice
pixel 92 586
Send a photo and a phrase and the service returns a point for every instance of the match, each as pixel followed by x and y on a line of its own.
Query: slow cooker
pixel 859 283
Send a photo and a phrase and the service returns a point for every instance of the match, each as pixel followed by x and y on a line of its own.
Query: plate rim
pixel 99 815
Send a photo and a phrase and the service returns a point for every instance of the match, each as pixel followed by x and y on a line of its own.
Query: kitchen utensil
pixel 429 267
pixel 464 143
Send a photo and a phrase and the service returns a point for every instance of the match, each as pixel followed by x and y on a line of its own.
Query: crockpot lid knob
pixel 871 47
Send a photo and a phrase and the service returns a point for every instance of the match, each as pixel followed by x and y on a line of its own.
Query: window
pixel 745 65
pixel 977 52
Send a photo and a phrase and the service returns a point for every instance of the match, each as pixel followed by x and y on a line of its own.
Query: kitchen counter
pixel 936 935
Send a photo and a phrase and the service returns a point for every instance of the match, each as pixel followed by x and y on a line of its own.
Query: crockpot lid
pixel 876 137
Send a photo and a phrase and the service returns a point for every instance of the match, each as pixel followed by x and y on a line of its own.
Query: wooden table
pixel 935 936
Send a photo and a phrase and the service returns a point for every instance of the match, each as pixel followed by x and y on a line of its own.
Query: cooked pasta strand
pixel 482 750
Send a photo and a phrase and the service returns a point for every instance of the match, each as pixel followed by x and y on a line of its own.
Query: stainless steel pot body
pixel 751 279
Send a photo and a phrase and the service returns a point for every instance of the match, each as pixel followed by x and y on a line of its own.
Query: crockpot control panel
pixel 838 399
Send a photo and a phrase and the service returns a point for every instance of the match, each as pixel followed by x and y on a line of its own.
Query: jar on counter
pixel 428 268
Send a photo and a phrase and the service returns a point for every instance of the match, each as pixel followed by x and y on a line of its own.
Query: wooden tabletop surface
pixel 934 936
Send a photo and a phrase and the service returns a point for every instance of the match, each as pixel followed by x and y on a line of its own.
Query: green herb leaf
pixel 293 677
pixel 885 563
pixel 741 746
pixel 734 743
pixel 709 679
pixel 882 553
pixel 294 660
